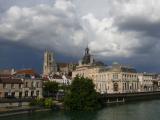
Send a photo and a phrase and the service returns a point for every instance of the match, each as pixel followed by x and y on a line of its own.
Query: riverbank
pixel 20 110
pixel 142 110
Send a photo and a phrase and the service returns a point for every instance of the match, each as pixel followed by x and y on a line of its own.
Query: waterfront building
pixel 10 87
pixel 32 83
pixel 108 79
pixel 22 84
pixel 49 65
pixel 149 81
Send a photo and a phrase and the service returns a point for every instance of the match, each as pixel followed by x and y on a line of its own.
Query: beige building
pixel 23 84
pixel 32 83
pixel 10 87
pixel 49 65
pixel 148 81
pixel 114 79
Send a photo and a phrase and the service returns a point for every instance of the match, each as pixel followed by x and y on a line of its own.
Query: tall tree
pixel 50 88
pixel 82 95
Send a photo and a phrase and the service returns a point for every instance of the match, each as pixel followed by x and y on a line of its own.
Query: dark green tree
pixel 82 95
pixel 50 88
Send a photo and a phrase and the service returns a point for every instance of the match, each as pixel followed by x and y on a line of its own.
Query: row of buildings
pixel 28 84
pixel 20 84
pixel 116 78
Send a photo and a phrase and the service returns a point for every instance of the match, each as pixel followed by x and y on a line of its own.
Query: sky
pixel 124 31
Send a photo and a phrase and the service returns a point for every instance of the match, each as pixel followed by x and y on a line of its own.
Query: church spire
pixel 87 51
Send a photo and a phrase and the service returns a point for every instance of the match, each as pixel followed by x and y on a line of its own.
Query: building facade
pixel 32 83
pixel 148 82
pixel 10 87
pixel 22 84
pixel 108 79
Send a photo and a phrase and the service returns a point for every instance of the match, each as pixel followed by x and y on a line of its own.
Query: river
pixel 148 110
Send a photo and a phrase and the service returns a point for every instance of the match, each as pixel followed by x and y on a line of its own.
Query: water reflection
pixel 148 110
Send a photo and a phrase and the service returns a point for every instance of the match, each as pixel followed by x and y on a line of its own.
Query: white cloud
pixel 55 26
pixel 68 25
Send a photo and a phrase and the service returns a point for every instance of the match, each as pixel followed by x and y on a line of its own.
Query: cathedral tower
pixel 49 66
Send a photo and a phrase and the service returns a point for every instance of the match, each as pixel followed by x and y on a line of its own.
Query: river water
pixel 148 110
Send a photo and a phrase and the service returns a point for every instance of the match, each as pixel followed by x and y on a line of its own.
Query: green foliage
pixel 48 103
pixel 82 95
pixel 50 88
pixel 37 102
pixel 64 87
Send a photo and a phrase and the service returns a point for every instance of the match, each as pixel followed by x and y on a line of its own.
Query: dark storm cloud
pixel 122 30
pixel 142 24
pixel 147 31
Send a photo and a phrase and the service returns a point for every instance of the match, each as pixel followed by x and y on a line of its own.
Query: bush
pixel 48 103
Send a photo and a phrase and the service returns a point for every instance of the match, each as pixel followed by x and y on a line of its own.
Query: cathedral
pixel 49 65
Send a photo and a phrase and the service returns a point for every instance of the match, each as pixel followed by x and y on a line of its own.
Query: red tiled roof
pixel 28 71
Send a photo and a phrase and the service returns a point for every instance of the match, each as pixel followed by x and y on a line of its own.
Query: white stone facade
pixel 110 80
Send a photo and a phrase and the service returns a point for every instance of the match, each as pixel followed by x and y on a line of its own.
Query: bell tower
pixel 49 65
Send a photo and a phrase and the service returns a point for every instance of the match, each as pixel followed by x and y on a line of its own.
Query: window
pixel 4 86
pixel 12 86
pixel 115 86
pixel 32 93
pixel 115 76
pixel 13 94
pixel 6 94
pixel 50 57
pixel 37 93
pixel 20 94
pixel 26 94
pixel 32 85
pixel 26 84
pixel 37 84
pixel 20 85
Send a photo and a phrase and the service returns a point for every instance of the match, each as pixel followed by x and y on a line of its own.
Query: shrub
pixel 48 103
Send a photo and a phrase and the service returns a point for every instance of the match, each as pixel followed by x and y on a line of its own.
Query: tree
pixel 50 88
pixel 82 95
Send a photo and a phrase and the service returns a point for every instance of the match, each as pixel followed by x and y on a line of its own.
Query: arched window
pixel 115 86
